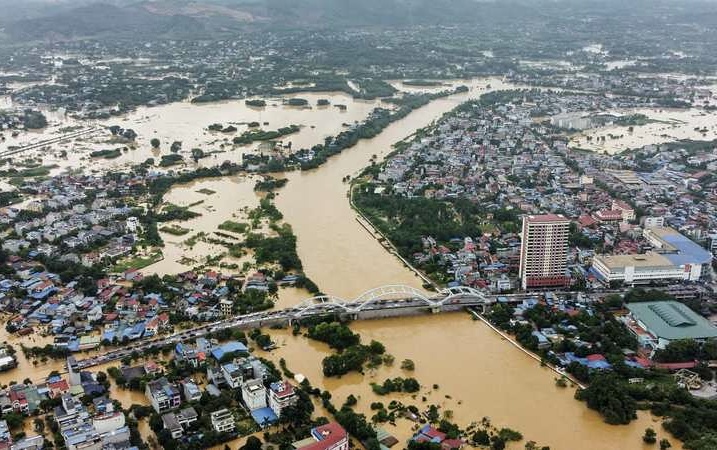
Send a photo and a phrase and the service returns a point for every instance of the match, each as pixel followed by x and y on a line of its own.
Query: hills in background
pixel 70 19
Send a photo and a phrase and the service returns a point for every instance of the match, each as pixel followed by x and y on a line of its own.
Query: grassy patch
pixel 206 191
pixel 40 171
pixel 171 212
pixel 234 227
pixel 139 262
pixel 175 230
pixel 192 241
pixel 107 154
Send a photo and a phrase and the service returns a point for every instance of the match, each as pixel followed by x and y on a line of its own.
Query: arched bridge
pixel 391 297
pixel 392 300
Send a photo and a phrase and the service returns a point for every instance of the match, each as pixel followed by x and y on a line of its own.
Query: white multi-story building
pixel 652 221
pixel 636 269
pixel 281 395
pixel 163 395
pixel 222 421
pixel 132 224
pixel 233 375
pixel 544 251
pixel 254 394
pixel 674 258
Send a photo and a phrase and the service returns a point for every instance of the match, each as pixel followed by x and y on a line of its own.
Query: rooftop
pixel 688 252
pixel 649 259
pixel 547 218
pixel 672 320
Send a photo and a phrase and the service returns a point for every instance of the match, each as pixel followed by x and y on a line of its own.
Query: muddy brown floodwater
pixel 478 375
pixel 337 253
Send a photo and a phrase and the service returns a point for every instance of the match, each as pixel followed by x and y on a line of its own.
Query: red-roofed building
pixel 608 216
pixel 628 213
pixel 58 388
pixel 331 436
pixel 19 401
pixel 281 395
pixel 677 366
pixel 451 444
pixel 586 221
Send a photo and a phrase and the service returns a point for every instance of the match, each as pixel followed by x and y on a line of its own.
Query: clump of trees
pixel 398 384
pixel 352 355
pixel 608 395
pixel 337 335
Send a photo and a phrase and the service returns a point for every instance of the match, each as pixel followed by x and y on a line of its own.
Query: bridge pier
pixel 435 309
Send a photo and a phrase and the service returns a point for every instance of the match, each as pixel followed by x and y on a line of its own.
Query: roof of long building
pixel 672 320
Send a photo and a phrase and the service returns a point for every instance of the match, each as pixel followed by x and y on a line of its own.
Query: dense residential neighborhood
pixel 386 224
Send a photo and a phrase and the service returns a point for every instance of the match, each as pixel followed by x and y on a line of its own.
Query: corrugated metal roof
pixel 672 320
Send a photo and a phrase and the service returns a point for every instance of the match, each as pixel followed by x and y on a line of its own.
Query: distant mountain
pixel 99 19
pixel 67 19
pixel 191 18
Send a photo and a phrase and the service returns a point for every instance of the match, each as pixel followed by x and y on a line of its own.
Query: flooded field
pixel 187 123
pixel 217 200
pixel 667 126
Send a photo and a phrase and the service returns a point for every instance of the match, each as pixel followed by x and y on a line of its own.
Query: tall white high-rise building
pixel 544 251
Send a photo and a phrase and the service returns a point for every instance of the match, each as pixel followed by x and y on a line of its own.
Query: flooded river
pixel 478 375
pixel 337 252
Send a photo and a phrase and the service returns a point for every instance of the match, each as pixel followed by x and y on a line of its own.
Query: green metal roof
pixel 672 320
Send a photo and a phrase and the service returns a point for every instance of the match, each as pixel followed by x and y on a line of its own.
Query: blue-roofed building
pixel 543 341
pixel 137 331
pixel 219 351
pixel 595 362
pixel 674 257
pixel 679 250
pixel 264 417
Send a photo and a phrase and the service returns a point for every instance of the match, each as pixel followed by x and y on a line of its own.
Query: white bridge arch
pixel 393 295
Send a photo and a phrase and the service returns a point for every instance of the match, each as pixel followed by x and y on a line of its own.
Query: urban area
pixel 261 226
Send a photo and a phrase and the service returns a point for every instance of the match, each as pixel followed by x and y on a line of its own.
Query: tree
pixel 481 437
pixel 252 443
pixel 351 400
pixel 650 437
pixel 609 395
pixel 197 154
pixel 706 442
pixel 665 444
pixel 39 425
pixel 408 364
pixel 14 420
pixel 154 142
